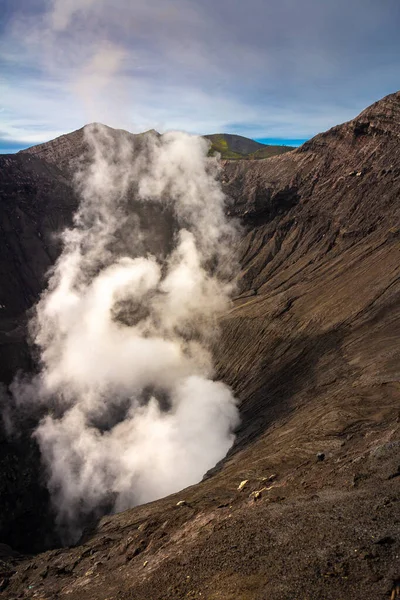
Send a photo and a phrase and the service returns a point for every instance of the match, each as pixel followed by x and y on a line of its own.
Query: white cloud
pixel 273 69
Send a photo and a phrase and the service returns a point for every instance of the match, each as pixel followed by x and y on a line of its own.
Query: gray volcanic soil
pixel 311 349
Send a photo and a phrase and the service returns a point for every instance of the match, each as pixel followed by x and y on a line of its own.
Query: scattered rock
pixel 358 477
pixel 385 449
pixel 367 555
pixel 225 504
pixel 43 574
pixel 396 474
pixel 135 550
pixel 242 484
pixel 181 503
pixel 277 498
pixel 257 495
pixel 320 456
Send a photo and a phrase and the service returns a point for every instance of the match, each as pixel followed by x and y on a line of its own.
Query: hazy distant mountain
pixel 306 504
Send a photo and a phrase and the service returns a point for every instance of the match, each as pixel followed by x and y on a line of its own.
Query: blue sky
pixel 281 141
pixel 264 69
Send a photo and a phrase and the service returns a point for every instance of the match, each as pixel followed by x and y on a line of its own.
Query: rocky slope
pixel 65 150
pixel 310 347
pixel 37 202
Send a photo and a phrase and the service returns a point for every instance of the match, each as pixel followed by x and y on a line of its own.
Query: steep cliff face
pixel 37 203
pixel 320 268
pixel 310 347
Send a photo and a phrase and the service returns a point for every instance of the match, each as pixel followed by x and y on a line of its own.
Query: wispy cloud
pixel 261 68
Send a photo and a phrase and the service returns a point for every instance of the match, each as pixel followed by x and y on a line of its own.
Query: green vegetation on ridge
pixel 231 146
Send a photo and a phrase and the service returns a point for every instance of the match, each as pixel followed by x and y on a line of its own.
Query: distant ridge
pixel 70 146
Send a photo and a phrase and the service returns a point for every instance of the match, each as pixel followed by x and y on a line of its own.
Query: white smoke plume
pixel 126 325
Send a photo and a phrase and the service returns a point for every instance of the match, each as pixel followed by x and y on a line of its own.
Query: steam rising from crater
pixel 126 325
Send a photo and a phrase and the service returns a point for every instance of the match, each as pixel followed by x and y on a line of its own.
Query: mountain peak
pixel 68 147
pixel 381 117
